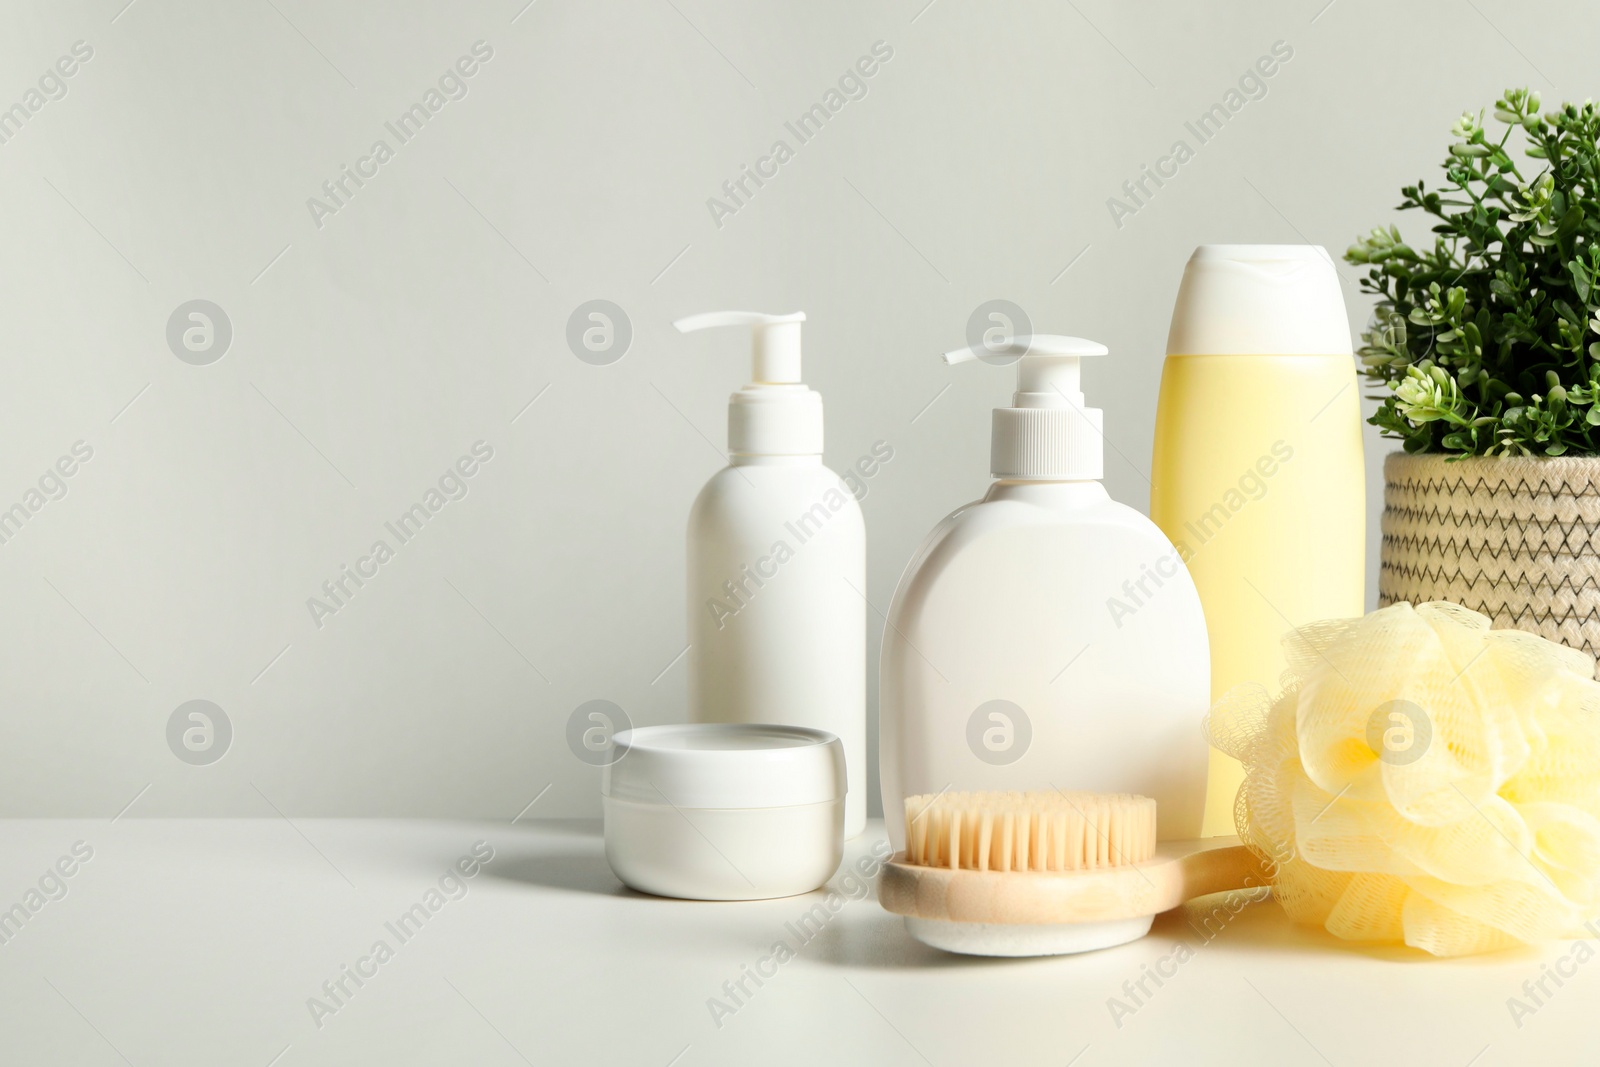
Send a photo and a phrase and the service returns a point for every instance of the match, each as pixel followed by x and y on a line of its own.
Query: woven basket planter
pixel 1513 539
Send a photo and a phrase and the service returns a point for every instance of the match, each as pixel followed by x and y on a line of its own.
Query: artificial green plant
pixel 1489 342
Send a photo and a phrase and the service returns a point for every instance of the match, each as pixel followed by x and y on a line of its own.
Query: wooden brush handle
pixel 1178 872
pixel 1218 870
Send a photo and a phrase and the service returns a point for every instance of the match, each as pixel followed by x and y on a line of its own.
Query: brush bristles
pixel 1042 830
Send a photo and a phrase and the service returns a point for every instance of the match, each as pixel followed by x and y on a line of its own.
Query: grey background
pixel 370 353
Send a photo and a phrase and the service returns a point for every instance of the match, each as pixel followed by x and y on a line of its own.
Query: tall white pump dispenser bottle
pixel 777 565
pixel 1046 636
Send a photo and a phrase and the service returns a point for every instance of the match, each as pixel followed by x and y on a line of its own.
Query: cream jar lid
pixel 725 765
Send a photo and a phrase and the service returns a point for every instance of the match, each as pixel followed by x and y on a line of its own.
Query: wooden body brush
pixel 1046 873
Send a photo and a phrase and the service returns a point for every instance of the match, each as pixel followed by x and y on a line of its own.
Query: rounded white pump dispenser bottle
pixel 1045 637
pixel 777 564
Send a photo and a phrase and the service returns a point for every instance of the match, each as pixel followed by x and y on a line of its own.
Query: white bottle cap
pixel 725 765
pixel 1047 434
pixel 1259 300
pixel 775 415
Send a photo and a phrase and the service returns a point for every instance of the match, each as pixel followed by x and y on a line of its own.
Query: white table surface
pixel 200 942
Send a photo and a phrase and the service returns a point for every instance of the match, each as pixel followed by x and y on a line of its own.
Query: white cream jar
pixel 724 811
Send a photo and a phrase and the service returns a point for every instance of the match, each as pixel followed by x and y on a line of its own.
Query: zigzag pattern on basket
pixel 1575 540
pixel 1538 491
pixel 1458 481
pixel 1455 513
pixel 1433 547
pixel 1515 539
pixel 1552 534
pixel 1524 489
pixel 1494 557
pixel 1509 601
pixel 1571 582
pixel 1519 475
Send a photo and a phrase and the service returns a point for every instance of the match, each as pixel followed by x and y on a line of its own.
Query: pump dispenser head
pixel 1047 434
pixel 775 415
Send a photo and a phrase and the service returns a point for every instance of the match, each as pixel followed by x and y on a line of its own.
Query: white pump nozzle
pixel 1047 367
pixel 775 415
pixel 1047 434
pixel 774 341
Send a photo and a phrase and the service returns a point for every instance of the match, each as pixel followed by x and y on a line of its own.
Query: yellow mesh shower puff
pixel 1424 779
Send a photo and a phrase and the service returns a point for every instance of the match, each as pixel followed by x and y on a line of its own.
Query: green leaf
pixel 1580 279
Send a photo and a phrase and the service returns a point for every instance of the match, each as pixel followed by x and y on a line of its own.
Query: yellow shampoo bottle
pixel 1257 476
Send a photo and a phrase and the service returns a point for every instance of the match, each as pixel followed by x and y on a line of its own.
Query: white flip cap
pixel 1266 300
pixel 775 414
pixel 1047 434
